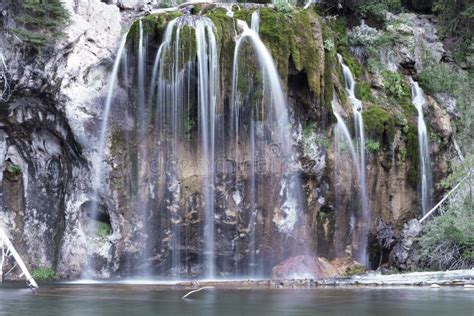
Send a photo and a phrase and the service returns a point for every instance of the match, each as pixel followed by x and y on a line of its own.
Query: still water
pixel 130 300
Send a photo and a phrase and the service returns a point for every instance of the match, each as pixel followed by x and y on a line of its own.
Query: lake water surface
pixel 130 300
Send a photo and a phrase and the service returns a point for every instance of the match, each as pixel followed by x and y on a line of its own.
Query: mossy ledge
pixel 153 25
pixel 379 124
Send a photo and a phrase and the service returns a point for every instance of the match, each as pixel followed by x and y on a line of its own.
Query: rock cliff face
pixel 50 123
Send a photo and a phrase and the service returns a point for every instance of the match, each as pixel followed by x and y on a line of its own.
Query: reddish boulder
pixel 304 267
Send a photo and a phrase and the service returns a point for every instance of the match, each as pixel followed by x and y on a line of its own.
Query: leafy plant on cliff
pixel 14 170
pixel 104 230
pixel 363 91
pixel 365 35
pixel 395 85
pixel 41 23
pixel 283 6
pixel 439 78
pixel 372 146
pixel 44 274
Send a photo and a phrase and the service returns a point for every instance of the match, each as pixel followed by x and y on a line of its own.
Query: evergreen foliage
pixel 377 9
pixel 457 20
pixel 443 78
pixel 41 23
pixel 448 240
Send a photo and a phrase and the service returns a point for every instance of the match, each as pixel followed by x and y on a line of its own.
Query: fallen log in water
pixel 195 291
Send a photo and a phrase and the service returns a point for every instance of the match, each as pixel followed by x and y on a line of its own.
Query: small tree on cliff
pixel 40 22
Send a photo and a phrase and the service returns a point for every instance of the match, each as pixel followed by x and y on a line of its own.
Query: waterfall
pixel 174 115
pixel 267 110
pixel 207 70
pixel 419 100
pixel 105 117
pixel 97 163
pixel 172 72
pixel 342 139
pixel 270 78
pixel 364 218
pixel 255 21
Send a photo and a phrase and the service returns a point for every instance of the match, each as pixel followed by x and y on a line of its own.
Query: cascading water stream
pixel 171 73
pixel 342 139
pixel 419 100
pixel 142 131
pixel 270 78
pixel 255 21
pixel 207 59
pixel 179 101
pixel 99 173
pixel 359 134
pixel 274 115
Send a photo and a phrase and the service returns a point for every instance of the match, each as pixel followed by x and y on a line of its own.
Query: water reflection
pixel 81 300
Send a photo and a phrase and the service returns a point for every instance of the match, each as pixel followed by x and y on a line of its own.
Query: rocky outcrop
pixel 48 128
pixel 402 255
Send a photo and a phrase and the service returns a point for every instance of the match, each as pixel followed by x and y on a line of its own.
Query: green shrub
pixel 403 154
pixel 283 6
pixel 372 146
pixel 14 170
pixel 355 270
pixel 329 45
pixel 395 85
pixel 42 23
pixel 339 26
pixel 377 9
pixel 447 242
pixel 104 230
pixel 439 78
pixel 364 92
pixel 43 274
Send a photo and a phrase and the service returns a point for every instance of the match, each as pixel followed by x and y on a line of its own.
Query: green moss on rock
pixel 153 25
pixel 352 63
pixel 307 49
pixel 410 136
pixel 225 32
pixel 244 15
pixel 275 33
pixel 379 123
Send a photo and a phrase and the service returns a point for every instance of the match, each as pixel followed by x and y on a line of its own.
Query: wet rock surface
pixel 49 128
pixel 403 253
